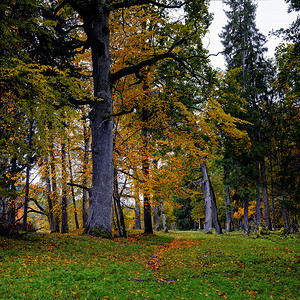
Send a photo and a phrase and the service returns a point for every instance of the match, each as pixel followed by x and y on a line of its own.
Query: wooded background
pixel 112 117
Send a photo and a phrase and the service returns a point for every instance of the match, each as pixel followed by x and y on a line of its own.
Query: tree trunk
pixel 163 217
pixel 285 216
pixel 96 24
pixel 85 176
pixel 265 196
pixel 64 198
pixel 137 212
pixel 28 168
pixel 214 209
pixel 229 218
pixel 156 218
pixel 49 199
pixel 12 211
pixel 295 224
pixel 246 219
pixel 207 199
pixel 12 202
pixel 116 219
pixel 72 190
pixel 145 160
pixel 119 212
pixel 258 212
pixel 272 194
pixel 54 195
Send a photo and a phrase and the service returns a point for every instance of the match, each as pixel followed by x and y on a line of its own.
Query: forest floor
pixel 175 265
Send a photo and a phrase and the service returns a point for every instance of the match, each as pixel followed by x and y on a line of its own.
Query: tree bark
pixel 145 154
pixel 64 198
pixel 137 212
pixel 54 195
pixel 12 202
pixel 163 217
pixel 119 211
pixel 207 199
pixel 258 201
pixel 264 188
pixel 156 218
pixel 229 218
pixel 285 216
pixel 96 24
pixel 85 175
pixel 49 199
pixel 272 193
pixel 28 168
pixel 246 213
pixel 215 210
pixel 72 190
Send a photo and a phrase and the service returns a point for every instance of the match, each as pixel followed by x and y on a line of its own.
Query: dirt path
pixel 156 259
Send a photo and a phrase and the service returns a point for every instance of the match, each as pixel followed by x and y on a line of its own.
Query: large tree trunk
pixel 210 203
pixel 96 24
pixel 265 196
pixel 85 175
pixel 64 198
pixel 215 210
pixel 207 199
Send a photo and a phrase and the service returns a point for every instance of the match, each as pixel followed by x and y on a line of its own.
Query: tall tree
pixel 244 48
pixel 95 16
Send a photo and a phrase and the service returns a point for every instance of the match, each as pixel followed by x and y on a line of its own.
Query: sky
pixel 270 15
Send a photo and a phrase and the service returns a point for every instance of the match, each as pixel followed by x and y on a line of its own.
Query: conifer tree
pixel 244 49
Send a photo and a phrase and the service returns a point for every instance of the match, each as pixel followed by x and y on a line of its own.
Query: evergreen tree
pixel 244 49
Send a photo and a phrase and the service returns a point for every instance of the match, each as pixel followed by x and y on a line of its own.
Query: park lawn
pixel 176 265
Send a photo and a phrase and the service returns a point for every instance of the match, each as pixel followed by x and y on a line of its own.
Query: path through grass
pixel 177 265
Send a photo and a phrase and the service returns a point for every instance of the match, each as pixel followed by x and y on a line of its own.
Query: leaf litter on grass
pixel 177 265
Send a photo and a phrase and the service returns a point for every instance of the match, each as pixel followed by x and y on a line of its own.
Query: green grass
pixel 177 265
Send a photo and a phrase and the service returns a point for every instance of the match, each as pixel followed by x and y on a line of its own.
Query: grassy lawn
pixel 177 265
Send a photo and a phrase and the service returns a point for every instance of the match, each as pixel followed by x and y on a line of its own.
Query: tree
pixel 244 48
pixel 95 16
pixel 34 84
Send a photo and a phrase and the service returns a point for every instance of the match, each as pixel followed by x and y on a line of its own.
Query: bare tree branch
pixel 79 186
pixel 37 204
pixel 130 3
pixel 30 209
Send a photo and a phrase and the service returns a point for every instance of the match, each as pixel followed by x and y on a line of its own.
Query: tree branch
pixel 130 3
pixel 60 6
pixel 30 209
pixel 75 101
pixel 136 68
pixel 37 204
pixel 126 173
pixel 79 186
pixel 121 112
